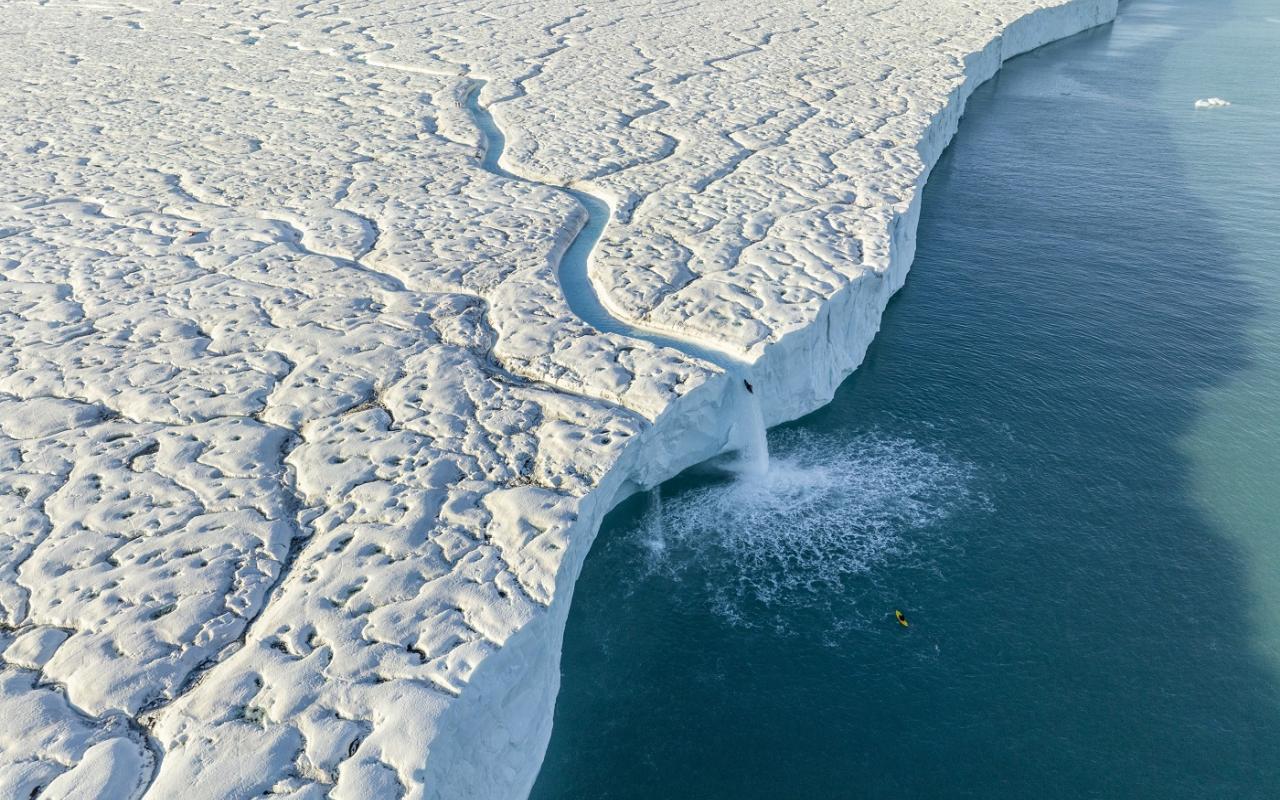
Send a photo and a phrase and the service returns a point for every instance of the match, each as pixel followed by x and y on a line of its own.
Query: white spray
pixel 749 437
pixel 655 534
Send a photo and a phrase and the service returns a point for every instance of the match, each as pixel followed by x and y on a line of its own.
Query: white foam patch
pixel 828 511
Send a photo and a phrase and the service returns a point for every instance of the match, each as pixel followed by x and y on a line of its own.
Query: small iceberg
pixel 1212 102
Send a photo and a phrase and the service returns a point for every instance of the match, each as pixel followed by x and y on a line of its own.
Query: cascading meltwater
pixel 748 432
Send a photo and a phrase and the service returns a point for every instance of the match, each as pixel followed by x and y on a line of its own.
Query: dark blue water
pixel 1060 459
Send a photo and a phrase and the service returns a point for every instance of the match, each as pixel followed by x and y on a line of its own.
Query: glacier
pixel 305 431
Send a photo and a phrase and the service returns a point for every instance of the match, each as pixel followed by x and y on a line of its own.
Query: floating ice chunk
pixel 1212 102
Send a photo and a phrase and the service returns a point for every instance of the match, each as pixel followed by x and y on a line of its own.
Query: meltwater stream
pixel 1060 459
pixel 583 300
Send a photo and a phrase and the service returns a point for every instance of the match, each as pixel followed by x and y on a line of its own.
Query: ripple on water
pixel 828 511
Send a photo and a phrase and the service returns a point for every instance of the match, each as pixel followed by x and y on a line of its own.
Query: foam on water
pixel 821 512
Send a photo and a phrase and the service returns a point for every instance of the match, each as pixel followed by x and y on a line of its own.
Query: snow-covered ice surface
pixel 301 445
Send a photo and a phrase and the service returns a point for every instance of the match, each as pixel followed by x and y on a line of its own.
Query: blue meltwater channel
pixel 573 269
pixel 747 436
pixel 1061 460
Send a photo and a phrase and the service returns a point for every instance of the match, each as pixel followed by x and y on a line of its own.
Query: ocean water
pixel 1061 460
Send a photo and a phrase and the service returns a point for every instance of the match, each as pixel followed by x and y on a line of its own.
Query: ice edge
pixel 694 428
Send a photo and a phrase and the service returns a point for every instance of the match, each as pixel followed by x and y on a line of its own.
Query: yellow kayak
pixel 902 618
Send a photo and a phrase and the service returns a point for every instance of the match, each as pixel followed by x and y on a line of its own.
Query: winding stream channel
pixel 573 273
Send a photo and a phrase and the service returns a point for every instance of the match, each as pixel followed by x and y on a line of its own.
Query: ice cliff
pixel 302 443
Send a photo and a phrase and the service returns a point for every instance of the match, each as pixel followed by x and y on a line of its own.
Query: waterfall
pixel 749 437
pixel 655 533
pixel 747 432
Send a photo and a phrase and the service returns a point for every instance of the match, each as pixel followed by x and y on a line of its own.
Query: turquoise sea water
pixel 1061 459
